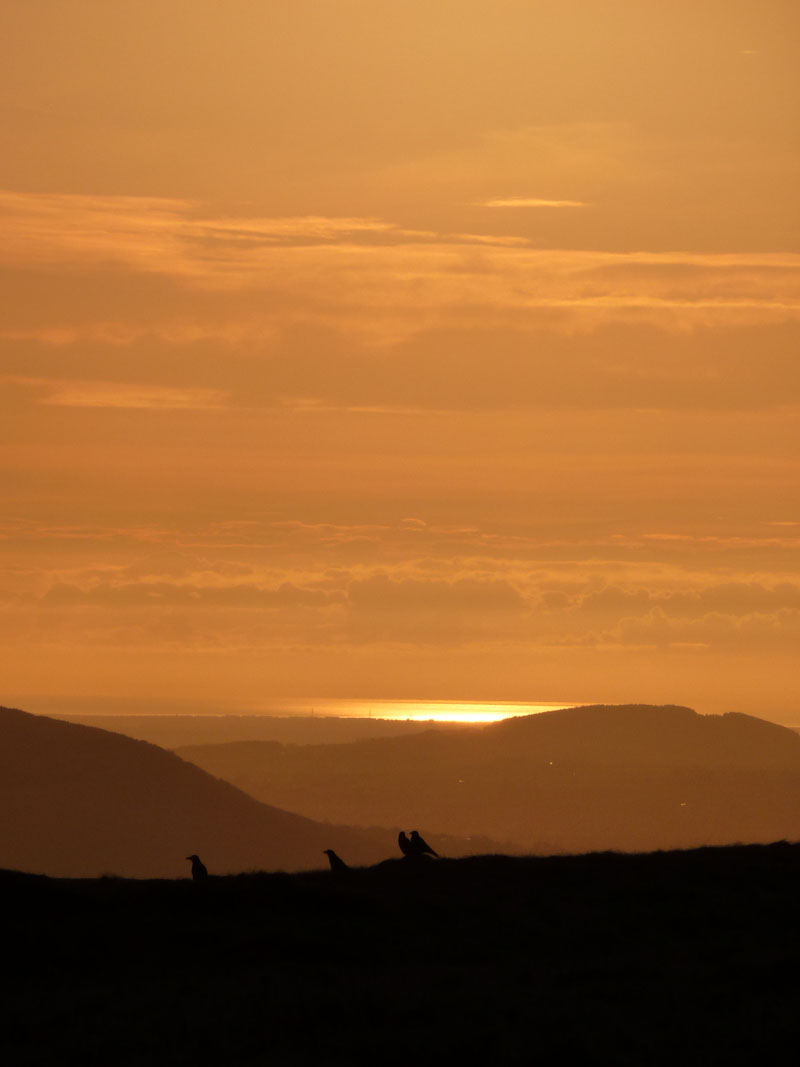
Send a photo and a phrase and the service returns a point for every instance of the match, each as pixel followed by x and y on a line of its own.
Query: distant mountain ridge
pixel 656 735
pixel 78 801
pixel 631 777
pixel 174 731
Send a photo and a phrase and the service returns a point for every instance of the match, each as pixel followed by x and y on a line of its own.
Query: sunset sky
pixel 438 350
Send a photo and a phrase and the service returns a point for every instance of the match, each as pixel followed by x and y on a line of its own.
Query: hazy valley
pixel 632 777
pixel 84 801
pixel 178 730
pixel 79 801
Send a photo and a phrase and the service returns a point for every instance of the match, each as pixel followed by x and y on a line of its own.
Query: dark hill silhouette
pixel 78 801
pixel 633 777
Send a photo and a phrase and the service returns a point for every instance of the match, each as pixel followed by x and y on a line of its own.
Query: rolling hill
pixel 78 801
pixel 631 777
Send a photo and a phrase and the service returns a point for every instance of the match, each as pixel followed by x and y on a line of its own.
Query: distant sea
pixel 299 720
pixel 474 711
pixel 418 710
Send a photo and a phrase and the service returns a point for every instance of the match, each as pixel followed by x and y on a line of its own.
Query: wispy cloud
pixel 492 239
pixel 531 201
pixel 243 276
pixel 160 234
pixel 98 394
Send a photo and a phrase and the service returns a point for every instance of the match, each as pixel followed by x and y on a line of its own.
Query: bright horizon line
pixel 379 708
pixel 419 710
pixel 385 708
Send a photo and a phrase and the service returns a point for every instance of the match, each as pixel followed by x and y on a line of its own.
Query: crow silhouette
pixel 199 870
pixel 419 846
pixel 336 862
pixel 405 845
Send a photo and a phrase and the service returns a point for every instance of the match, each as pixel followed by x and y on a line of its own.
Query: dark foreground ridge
pixel 664 958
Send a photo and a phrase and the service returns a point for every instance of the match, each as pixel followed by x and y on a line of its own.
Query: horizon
pixel 384 708
pixel 356 708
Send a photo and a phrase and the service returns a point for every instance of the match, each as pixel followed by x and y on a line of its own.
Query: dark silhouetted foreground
pixel 660 960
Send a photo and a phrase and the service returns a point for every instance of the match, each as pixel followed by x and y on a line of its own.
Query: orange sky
pixel 402 350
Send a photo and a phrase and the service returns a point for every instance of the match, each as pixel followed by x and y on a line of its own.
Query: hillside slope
pixel 78 801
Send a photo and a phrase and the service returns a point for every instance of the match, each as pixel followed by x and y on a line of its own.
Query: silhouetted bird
pixel 199 870
pixel 405 845
pixel 336 862
pixel 419 846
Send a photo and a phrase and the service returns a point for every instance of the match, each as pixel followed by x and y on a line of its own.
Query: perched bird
pixel 199 870
pixel 419 846
pixel 336 862
pixel 405 845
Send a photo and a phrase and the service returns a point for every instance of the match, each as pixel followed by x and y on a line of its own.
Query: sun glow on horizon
pixel 463 711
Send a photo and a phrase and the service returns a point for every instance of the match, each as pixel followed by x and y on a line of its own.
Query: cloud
pixel 252 275
pixel 309 370
pixel 261 587
pixel 51 226
pixel 382 608
pixel 522 201
pixel 492 239
pixel 154 594
pixel 96 394
pixel 729 598
pixel 382 593
pixel 758 633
